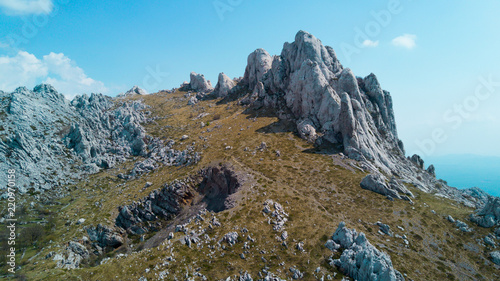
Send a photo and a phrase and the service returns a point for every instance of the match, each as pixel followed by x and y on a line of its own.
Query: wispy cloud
pixel 370 43
pixel 25 69
pixel 406 41
pixel 26 7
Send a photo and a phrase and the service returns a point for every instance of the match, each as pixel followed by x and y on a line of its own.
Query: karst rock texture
pixel 224 85
pixel 360 260
pixel 308 85
pixel 134 91
pixel 198 83
pixel 489 215
pixel 308 81
pixel 52 142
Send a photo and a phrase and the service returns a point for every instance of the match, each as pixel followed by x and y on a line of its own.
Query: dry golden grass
pixel 315 192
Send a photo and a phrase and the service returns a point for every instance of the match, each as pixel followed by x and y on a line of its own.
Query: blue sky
pixel 433 56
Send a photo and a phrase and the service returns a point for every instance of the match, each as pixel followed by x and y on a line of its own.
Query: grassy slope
pixel 316 192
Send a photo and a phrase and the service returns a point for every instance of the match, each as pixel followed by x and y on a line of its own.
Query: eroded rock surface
pixel 489 215
pixel 198 83
pixel 224 85
pixel 213 188
pixel 378 183
pixel 360 260
pixel 162 203
pixel 53 142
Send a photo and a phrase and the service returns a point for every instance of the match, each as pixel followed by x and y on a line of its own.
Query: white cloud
pixel 24 7
pixel 405 41
pixel 370 43
pixel 25 69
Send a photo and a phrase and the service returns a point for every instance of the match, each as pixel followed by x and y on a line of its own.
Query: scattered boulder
pixel 489 215
pixel 307 131
pixel 377 183
pixel 360 260
pixel 231 238
pixel 495 257
pixel 384 228
pixel 192 101
pixel 490 240
pixel 72 256
pixel 462 226
pixel 296 274
pixel 277 217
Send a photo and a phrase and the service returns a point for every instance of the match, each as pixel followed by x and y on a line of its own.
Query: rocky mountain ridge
pixel 53 142
pixel 295 148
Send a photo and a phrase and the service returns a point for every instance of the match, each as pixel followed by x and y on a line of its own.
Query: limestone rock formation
pixel 417 160
pixel 53 142
pixel 105 236
pixel 308 81
pixel 258 63
pixel 72 256
pixel 489 215
pixel 134 91
pixel 377 183
pixel 495 257
pixel 198 83
pixel 330 105
pixel 431 170
pixel 360 260
pixel 162 203
pixel 224 85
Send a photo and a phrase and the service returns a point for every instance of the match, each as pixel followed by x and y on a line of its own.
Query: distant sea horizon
pixel 467 170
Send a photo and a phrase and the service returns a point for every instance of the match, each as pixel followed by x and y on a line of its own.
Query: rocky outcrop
pixel 198 83
pixel 160 152
pixel 360 260
pixel 105 236
pixel 378 183
pixel 417 160
pixel 212 188
pixel 71 258
pixel 134 91
pixel 33 124
pixel 308 85
pixel 495 257
pixel 162 203
pixel 224 85
pixel 52 142
pixel 308 81
pixel 489 215
pixel 431 170
pixel 106 136
pixel 258 63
